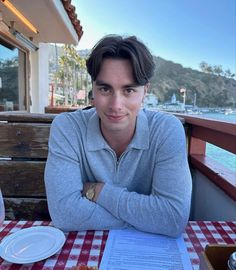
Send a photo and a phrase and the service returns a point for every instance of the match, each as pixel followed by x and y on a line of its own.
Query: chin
pixel 116 126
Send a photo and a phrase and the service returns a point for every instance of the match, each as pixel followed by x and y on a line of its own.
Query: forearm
pixel 84 215
pixel 68 209
pixel 151 213
pixel 164 211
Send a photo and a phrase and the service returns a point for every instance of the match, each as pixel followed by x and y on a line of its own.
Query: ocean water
pixel 220 116
pixel 220 155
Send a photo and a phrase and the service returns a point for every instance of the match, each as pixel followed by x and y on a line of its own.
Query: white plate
pixel 32 244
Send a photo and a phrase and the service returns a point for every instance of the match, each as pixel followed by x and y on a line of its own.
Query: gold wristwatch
pixel 91 192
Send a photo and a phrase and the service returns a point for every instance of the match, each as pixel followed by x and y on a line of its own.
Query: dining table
pixel 87 247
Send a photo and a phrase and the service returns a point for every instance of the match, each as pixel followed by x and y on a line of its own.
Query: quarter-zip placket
pixel 117 164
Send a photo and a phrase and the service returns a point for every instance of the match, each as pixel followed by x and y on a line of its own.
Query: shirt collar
pixel 95 140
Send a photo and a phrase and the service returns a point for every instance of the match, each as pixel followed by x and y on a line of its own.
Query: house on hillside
pixel 26 29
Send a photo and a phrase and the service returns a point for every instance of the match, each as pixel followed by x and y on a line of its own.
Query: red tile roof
pixel 70 9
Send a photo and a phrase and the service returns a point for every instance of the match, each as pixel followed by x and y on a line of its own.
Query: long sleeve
pixel 166 209
pixel 64 183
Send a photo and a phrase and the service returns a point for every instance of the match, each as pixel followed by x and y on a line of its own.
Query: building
pixel 173 106
pixel 150 101
pixel 26 29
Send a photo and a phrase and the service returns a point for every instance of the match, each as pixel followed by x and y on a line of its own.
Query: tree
pixel 205 67
pixel 227 73
pixel 218 70
pixel 71 66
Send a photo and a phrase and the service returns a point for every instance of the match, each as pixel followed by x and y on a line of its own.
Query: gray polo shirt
pixel 148 187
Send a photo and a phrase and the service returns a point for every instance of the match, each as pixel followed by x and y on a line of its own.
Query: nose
pixel 116 101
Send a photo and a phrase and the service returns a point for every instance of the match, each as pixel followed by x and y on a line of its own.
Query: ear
pixel 146 87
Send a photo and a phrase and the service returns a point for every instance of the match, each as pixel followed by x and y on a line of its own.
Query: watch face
pixel 90 194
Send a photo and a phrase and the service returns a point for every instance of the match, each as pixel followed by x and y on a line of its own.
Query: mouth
pixel 115 118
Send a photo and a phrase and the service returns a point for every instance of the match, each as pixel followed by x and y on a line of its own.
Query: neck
pixel 119 140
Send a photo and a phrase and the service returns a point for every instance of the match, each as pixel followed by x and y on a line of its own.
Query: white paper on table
pixel 130 249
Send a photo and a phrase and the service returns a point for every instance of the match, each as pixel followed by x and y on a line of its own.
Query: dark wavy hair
pixel 118 47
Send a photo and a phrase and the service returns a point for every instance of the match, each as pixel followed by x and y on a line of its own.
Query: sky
pixel 183 31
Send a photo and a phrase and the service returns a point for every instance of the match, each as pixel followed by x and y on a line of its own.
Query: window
pixel 13 84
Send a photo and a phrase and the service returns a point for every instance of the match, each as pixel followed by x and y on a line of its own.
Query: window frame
pixel 23 72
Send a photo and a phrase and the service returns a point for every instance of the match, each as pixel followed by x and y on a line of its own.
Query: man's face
pixel 116 96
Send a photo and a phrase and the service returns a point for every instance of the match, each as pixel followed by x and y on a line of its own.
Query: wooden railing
pixel 23 155
pixel 222 134
pixel 60 109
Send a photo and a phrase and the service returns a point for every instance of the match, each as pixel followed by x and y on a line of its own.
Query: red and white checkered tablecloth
pixel 87 247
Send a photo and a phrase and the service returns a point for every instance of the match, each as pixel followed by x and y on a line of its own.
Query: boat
pixel 229 111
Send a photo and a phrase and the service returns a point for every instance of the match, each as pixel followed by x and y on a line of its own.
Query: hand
pixel 98 189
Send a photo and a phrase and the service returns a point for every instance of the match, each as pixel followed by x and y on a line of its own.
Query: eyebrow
pixel 102 83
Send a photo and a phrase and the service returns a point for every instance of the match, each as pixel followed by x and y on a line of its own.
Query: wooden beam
pixel 217 173
pixel 219 138
pixel 22 178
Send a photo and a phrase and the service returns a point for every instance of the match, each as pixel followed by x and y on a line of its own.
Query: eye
pixel 104 90
pixel 129 91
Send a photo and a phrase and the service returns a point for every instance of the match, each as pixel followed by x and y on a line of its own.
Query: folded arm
pixel 69 210
pixel 166 209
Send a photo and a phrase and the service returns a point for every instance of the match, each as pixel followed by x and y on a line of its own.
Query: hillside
pixel 211 90
pixel 9 84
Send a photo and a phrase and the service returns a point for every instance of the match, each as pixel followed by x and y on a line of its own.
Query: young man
pixel 118 165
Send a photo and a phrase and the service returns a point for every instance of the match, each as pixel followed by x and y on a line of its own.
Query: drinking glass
pixel 2 210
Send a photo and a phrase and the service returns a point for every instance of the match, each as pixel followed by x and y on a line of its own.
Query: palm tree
pixel 77 67
pixel 69 73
